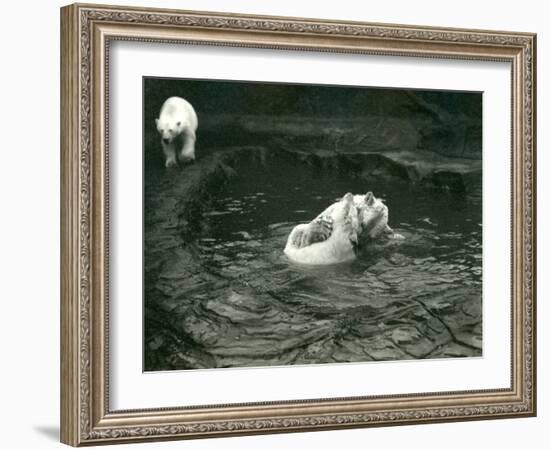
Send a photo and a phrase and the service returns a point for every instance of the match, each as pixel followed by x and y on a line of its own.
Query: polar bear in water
pixel 332 237
pixel 177 126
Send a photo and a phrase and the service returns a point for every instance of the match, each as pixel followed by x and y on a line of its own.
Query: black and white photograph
pixel 291 224
pixel 275 225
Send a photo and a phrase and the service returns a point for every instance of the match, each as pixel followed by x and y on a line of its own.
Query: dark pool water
pixel 226 296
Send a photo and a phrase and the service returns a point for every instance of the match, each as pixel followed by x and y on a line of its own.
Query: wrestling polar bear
pixel 177 124
pixel 332 237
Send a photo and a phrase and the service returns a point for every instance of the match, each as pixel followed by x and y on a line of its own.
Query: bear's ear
pixel 348 198
pixel 157 122
pixel 369 199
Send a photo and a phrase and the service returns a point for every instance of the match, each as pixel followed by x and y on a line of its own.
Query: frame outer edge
pixel 534 164
pixel 70 298
pixel 79 414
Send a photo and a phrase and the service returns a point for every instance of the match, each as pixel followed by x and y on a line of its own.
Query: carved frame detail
pixel 86 33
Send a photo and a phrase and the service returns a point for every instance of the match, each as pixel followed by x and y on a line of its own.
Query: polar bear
pixel 373 216
pixel 177 125
pixel 334 235
pixel 333 240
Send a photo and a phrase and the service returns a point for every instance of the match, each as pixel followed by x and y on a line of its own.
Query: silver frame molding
pixel 86 31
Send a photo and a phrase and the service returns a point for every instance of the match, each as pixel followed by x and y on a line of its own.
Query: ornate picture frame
pixel 86 34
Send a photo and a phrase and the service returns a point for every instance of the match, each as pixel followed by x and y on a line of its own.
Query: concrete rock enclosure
pixel 219 292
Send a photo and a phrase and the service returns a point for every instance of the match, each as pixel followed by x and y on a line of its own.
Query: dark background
pixel 236 97
pixel 345 118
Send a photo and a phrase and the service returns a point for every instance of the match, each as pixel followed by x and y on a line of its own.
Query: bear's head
pixel 169 129
pixel 373 214
pixel 345 215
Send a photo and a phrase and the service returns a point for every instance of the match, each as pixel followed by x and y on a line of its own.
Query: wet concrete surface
pixel 219 291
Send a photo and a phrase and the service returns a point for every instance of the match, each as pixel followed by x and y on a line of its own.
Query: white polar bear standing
pixel 177 125
pixel 332 237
